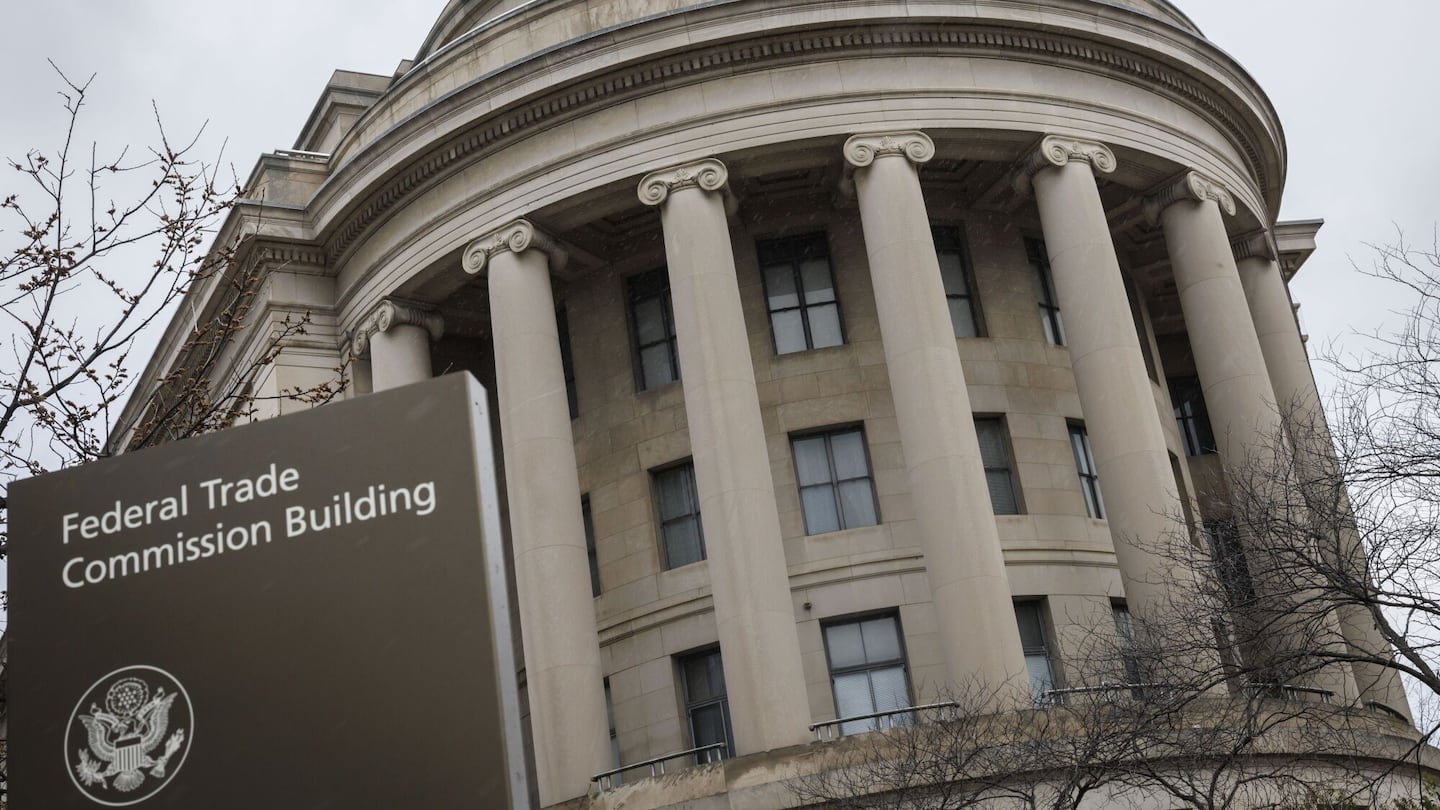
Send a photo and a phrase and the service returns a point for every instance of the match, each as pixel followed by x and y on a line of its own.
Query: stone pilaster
pixel 552 575
pixel 1141 498
pixel 963 560
pixel 397 335
pixel 749 578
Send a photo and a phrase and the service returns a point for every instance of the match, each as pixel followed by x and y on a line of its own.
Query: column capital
pixel 1059 150
pixel 861 150
pixel 1191 185
pixel 707 175
pixel 390 313
pixel 516 236
pixel 1254 245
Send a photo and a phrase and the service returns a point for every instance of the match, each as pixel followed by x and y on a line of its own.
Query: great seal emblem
pixel 128 735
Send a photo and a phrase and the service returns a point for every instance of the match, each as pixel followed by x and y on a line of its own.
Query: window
pixel 1085 468
pixel 590 545
pixel 1191 415
pixel 834 476
pixel 567 362
pixel 1045 292
pixel 1227 556
pixel 1129 654
pixel 706 707
pixel 959 290
pixel 1030 617
pixel 1186 510
pixel 614 739
pixel 654 323
pixel 995 455
pixel 867 670
pixel 800 293
pixel 681 539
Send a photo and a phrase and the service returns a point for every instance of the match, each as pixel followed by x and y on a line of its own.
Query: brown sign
pixel 305 612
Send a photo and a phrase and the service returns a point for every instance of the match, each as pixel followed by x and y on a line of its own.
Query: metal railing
pixel 704 755
pixel 1139 691
pixel 1377 706
pixel 1285 691
pixel 833 729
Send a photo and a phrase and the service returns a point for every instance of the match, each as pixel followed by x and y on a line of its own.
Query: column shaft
pixel 963 559
pixel 1300 405
pixel 399 356
pixel 552 575
pixel 749 578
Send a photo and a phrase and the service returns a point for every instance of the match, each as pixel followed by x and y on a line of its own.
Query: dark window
pixel 567 363
pixel 654 323
pixel 959 286
pixel 1030 616
pixel 1191 415
pixel 614 739
pixel 681 540
pixel 706 707
pixel 800 293
pixel 1085 468
pixel 995 455
pixel 867 670
pixel 1187 511
pixel 1129 653
pixel 1045 292
pixel 1227 555
pixel 590 545
pixel 833 472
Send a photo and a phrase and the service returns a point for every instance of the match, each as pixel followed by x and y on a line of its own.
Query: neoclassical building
pixel 842 351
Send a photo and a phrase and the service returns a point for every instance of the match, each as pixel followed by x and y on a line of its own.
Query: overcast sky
pixel 1353 83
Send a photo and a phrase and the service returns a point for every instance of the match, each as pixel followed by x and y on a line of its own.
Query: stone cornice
pixel 516 236
pixel 629 81
pixel 1189 186
pixel 1059 150
pixel 390 313
pixel 1254 245
pixel 862 150
pixel 707 175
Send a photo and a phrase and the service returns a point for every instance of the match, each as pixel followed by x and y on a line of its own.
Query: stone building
pixel 841 351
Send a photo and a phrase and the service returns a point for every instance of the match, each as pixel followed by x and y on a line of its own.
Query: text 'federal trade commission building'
pixel 846 355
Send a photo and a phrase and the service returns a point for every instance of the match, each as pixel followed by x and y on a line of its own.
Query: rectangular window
pixel 567 363
pixel 1191 416
pixel 800 293
pixel 590 545
pixel 867 671
pixel 614 739
pixel 1129 654
pixel 1031 619
pixel 706 707
pixel 1227 555
pixel 653 322
pixel 681 540
pixel 995 455
pixel 959 286
pixel 1186 510
pixel 1085 468
pixel 833 471
pixel 1045 292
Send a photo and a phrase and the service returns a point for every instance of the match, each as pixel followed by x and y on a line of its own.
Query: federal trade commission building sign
pixel 305 612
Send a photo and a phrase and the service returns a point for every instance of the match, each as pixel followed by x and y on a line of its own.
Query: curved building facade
pixel 842 351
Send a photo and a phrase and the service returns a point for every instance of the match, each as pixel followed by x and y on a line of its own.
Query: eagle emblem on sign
pixel 130 739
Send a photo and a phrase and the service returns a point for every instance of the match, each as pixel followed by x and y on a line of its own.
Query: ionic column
pixel 1141 499
pixel 1241 402
pixel 963 560
pixel 749 580
pixel 552 573
pixel 1289 367
pixel 398 337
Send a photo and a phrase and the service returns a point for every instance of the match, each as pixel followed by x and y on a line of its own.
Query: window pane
pixel 1032 633
pixel 821 516
pixel 992 443
pixel 824 326
pixel 849 450
pixel 889 689
pixel 675 493
pixel 655 365
pixel 857 503
pixel 707 724
pixel 882 639
pixel 1041 679
pixel 780 287
pixel 843 641
pixel 682 543
pixel 962 318
pixel 1002 492
pixel 815 274
pixel 789 331
pixel 704 677
pixel 952 273
pixel 649 320
pixel 1082 455
pixel 811 464
pixel 852 695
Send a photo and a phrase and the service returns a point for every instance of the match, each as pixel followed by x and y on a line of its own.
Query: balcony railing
pixel 831 729
pixel 1108 691
pixel 1285 691
pixel 705 754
